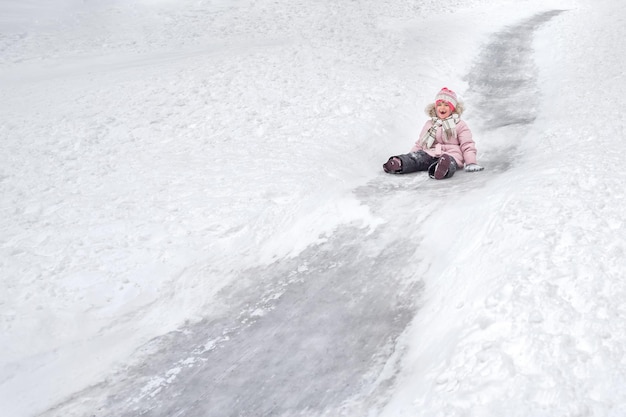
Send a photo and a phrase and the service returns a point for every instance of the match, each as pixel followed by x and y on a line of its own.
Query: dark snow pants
pixel 421 161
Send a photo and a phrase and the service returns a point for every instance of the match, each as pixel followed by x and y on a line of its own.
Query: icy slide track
pixel 320 336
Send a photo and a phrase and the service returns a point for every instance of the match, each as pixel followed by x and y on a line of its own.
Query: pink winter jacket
pixel 463 149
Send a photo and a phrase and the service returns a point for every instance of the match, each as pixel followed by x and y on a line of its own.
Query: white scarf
pixel 449 130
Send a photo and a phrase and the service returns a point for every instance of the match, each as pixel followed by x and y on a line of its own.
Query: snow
pixel 163 163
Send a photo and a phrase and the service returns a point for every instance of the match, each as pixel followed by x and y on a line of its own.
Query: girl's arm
pixel 417 147
pixel 467 144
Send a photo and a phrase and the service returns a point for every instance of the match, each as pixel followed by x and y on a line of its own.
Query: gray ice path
pixel 504 91
pixel 318 335
pixel 298 337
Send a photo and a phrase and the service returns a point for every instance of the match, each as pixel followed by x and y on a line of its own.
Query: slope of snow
pixel 150 151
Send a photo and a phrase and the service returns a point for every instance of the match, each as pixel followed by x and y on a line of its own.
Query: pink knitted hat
pixel 447 95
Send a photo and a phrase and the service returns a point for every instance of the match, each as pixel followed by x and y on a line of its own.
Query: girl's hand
pixel 473 168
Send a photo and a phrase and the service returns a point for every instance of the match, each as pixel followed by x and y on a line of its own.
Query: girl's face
pixel 443 110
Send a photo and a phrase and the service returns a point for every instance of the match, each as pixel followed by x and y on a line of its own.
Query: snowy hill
pixel 195 221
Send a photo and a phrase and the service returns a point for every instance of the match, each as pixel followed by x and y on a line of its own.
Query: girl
pixel 444 145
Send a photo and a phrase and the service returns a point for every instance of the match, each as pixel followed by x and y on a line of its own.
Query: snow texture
pixel 195 220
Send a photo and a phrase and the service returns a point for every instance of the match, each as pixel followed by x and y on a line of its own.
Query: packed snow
pixel 195 186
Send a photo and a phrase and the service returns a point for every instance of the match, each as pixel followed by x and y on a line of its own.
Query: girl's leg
pixel 410 162
pixel 444 167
